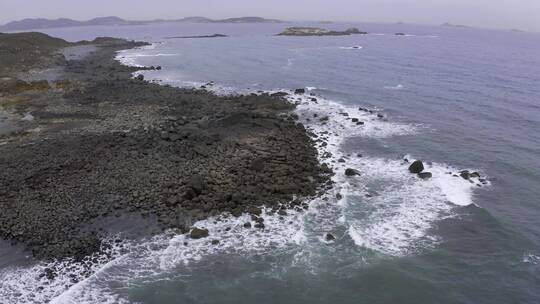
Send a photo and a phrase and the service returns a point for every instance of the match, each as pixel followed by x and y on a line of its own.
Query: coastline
pixel 101 145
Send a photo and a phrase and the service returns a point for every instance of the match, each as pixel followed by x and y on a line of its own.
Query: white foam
pixel 386 209
pixel 530 258
pixel 28 117
pixel 397 87
pixel 155 258
pixel 130 57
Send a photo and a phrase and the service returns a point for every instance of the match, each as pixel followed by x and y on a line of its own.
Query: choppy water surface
pixel 459 99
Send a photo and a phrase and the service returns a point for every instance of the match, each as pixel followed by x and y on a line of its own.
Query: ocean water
pixel 458 99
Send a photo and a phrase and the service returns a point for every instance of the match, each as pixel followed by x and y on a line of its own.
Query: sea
pixel 456 98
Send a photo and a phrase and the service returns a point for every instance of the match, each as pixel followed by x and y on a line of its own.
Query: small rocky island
pixel 315 31
pixel 200 36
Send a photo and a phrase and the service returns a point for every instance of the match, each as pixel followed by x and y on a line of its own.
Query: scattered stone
pixel 247 225
pixel 300 91
pixel 329 237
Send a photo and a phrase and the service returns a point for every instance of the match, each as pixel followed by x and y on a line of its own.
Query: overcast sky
pixel 521 14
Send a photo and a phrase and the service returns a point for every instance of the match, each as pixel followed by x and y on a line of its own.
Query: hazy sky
pixel 522 14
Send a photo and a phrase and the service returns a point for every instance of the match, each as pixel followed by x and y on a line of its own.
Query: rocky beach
pixel 88 142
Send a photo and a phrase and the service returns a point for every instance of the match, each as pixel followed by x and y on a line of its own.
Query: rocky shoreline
pixel 102 144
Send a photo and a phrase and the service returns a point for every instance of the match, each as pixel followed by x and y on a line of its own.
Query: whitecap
pixel 356 47
pixel 396 87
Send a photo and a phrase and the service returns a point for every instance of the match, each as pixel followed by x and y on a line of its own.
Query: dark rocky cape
pixel 102 144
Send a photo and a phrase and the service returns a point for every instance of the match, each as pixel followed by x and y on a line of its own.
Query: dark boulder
pixel 257 164
pixel 140 77
pixel 254 210
pixel 197 233
pixel 197 184
pixel 416 167
pixel 279 94
pixel 351 172
pixel 465 174
pixel 329 237
pixel 425 175
pixel 300 91
pixel 326 169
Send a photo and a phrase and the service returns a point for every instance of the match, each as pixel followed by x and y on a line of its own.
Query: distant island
pixel 316 31
pixel 42 23
pixel 447 24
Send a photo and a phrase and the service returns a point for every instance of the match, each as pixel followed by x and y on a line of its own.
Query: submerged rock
pixel 425 175
pixel 329 237
pixel 416 167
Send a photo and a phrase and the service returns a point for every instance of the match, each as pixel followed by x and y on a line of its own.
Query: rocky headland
pixel 91 142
